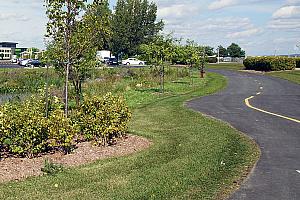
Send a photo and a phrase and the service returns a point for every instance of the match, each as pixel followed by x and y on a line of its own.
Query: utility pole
pixel 219 55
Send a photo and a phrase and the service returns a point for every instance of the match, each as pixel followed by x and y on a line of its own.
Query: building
pixel 12 45
pixel 5 53
pixel 8 49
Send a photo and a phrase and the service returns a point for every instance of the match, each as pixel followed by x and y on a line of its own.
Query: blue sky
pixel 261 27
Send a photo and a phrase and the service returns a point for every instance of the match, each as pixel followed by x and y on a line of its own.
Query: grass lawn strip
pixel 229 66
pixel 293 76
pixel 193 157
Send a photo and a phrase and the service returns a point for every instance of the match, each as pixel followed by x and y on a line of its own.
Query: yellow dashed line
pixel 267 112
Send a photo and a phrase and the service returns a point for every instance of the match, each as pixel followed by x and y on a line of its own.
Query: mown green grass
pixel 229 66
pixel 184 162
pixel 293 76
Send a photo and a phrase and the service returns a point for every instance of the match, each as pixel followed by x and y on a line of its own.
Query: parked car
pixel 104 60
pixel 24 62
pixel 133 61
pixel 19 61
pixel 33 63
pixel 14 60
pixel 112 61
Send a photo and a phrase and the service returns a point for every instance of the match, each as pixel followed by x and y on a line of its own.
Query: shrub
pixel 26 131
pixel 297 62
pixel 269 63
pixel 102 119
pixel 211 59
pixel 61 132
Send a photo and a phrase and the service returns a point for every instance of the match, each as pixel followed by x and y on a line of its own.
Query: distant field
pixel 230 66
pixel 293 76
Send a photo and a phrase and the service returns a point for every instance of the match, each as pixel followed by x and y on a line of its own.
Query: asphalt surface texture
pixel 277 173
pixel 9 65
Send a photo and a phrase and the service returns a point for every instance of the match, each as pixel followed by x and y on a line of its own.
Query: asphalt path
pixel 9 65
pixel 277 173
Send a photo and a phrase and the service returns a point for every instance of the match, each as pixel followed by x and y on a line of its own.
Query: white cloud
pixel 12 16
pixel 287 12
pixel 210 28
pixel 222 4
pixel 177 10
pixel 244 34
pixel 285 24
pixel 293 2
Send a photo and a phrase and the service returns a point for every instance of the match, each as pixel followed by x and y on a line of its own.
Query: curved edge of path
pixel 277 173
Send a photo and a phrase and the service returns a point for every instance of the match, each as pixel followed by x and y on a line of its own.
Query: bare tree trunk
pixel 68 37
pixel 77 85
pixel 47 91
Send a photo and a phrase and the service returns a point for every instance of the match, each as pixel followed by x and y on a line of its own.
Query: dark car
pixel 112 61
pixel 34 63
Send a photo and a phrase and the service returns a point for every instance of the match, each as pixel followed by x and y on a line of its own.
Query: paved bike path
pixel 277 174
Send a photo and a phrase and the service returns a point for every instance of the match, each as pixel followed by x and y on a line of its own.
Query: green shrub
pixel 61 132
pixel 26 131
pixel 297 62
pixel 102 119
pixel 211 59
pixel 269 63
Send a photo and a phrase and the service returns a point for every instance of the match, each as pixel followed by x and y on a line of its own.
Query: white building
pixel 6 52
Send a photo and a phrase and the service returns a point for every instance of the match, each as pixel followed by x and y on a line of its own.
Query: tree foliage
pixel 235 51
pixel 222 51
pixel 134 23
pixel 76 30
pixel 209 50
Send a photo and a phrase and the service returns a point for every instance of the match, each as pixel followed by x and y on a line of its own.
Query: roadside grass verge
pixel 229 66
pixel 293 76
pixel 192 157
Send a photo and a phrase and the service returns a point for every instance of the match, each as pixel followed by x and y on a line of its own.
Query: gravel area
pixel 20 168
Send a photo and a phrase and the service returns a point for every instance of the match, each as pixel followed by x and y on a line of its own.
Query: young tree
pixel 193 53
pixel 62 15
pixel 159 52
pixel 75 36
pixel 235 51
pixel 134 23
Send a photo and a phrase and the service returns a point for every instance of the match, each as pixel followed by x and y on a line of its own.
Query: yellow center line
pixel 267 112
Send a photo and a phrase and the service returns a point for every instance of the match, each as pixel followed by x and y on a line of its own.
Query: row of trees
pixel 76 29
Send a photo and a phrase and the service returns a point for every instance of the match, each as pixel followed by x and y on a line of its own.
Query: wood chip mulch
pixel 21 168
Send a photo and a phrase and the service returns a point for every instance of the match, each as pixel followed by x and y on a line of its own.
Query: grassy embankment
pixel 192 156
pixel 229 66
pixel 293 76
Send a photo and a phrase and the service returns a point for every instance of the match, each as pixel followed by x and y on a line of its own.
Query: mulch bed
pixel 21 168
